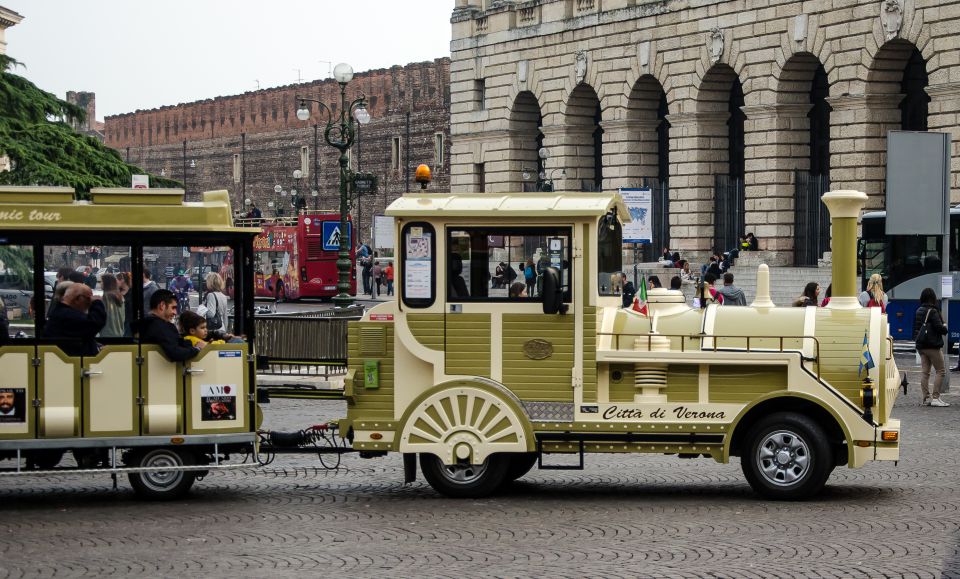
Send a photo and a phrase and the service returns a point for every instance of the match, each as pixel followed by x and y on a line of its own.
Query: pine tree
pixel 44 149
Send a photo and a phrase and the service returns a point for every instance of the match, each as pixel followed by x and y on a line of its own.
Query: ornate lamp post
pixel 339 134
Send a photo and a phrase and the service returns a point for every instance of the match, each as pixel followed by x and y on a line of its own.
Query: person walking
pixel 530 276
pixel 388 274
pixel 366 268
pixel 928 332
pixel 377 277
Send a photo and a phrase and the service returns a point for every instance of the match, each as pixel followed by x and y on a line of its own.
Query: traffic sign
pixel 331 235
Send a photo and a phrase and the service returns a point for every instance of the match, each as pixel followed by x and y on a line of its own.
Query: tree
pixel 43 147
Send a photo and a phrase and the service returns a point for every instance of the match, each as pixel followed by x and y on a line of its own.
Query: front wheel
pixel 465 481
pixel 161 485
pixel 787 457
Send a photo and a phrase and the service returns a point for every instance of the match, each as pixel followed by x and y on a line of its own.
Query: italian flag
pixel 640 302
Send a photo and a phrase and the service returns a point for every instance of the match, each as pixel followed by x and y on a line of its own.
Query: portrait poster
pixel 218 402
pixel 13 405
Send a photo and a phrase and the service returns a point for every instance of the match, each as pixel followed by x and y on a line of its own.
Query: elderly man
pixel 79 318
pixel 157 328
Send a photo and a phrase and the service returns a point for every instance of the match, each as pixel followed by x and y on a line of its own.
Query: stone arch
pixel 526 138
pixel 584 138
pixel 648 153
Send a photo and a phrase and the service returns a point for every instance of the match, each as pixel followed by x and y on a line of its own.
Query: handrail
pixel 715 337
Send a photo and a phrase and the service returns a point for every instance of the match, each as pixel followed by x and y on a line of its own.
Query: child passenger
pixel 193 328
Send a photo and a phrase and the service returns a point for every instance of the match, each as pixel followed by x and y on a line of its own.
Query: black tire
pixel 161 486
pixel 520 464
pixel 44 459
pixel 465 481
pixel 787 457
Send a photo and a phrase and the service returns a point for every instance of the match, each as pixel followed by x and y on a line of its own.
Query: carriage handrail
pixel 715 337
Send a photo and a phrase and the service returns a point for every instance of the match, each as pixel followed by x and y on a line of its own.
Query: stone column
pixel 696 157
pixel 944 116
pixel 858 142
pixel 777 144
pixel 629 153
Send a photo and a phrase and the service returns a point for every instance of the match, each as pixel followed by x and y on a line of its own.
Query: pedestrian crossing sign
pixel 331 235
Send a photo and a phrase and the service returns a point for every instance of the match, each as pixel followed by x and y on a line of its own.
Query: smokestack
pixel 763 288
pixel 844 207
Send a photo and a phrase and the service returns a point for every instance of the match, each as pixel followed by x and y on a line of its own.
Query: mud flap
pixel 409 467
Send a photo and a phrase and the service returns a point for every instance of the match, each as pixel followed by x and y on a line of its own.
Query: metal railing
pixel 717 348
pixel 307 343
pixel 729 212
pixel 811 218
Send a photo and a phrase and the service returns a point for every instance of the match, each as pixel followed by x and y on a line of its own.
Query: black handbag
pixel 924 339
pixel 215 321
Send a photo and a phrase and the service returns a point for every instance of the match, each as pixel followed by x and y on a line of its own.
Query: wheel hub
pixel 783 458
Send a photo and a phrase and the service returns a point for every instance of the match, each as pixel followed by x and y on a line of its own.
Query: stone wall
pixel 566 55
pixel 249 143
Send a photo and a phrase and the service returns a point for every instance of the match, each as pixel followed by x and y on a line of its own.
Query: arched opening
pixel 722 93
pixel 896 100
pixel 585 135
pixel 526 127
pixel 647 110
pixel 803 82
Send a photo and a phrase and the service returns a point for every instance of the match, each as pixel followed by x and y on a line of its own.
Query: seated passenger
pixel 79 317
pixel 157 328
pixel 193 328
pixel 518 290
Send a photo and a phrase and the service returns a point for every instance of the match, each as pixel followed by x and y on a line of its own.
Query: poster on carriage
pixel 639 203
pixel 13 405
pixel 218 402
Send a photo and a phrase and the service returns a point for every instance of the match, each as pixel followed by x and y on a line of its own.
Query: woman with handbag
pixel 928 331
pixel 216 303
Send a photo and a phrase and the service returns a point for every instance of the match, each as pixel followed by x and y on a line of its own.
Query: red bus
pixel 296 257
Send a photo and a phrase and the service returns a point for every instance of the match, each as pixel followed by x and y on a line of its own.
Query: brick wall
pixel 249 143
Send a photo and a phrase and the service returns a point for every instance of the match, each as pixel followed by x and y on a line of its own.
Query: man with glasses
pixel 77 321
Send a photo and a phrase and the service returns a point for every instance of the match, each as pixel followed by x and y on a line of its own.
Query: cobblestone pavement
pixel 624 516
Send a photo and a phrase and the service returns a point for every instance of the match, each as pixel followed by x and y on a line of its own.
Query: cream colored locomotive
pixel 481 372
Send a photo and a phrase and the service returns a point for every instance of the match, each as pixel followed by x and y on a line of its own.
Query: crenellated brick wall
pixel 249 143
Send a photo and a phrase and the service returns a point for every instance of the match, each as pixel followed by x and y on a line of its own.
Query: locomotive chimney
pixel 844 207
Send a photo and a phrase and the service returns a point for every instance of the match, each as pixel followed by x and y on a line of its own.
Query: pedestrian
pixel 810 296
pixel 499 276
pixel 366 267
pixel 928 333
pixel 388 274
pixel 732 295
pixel 377 276
pixel 530 276
pixel 629 291
pixel 113 302
pixel 149 287
pixel 92 277
pixel 182 286
pixel 123 286
pixel 255 212
pixel 216 303
pixel 873 296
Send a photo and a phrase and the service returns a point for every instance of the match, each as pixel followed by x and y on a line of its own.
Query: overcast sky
pixel 142 54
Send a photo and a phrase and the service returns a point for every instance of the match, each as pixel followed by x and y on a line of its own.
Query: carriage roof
pixel 528 205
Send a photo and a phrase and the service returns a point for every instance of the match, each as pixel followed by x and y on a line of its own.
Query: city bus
pixel 129 408
pixel 908 264
pixel 296 257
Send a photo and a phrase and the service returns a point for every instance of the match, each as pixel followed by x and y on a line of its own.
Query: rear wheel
pixel 467 481
pixel 787 457
pixel 161 485
pixel 520 464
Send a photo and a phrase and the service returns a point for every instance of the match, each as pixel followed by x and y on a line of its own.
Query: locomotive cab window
pixel 505 264
pixel 609 254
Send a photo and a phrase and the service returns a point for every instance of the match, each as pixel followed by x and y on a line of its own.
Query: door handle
pixel 194 371
pixel 88 373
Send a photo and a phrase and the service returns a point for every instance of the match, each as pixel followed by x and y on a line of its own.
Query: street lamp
pixel 339 134
pixel 277 205
pixel 316 199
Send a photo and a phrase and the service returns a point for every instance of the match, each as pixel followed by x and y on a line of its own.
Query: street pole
pixel 340 135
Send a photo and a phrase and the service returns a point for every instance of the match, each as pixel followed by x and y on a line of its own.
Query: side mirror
pixel 551 291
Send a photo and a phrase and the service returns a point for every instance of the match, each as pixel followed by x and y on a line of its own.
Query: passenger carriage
pixel 129 408
pixel 481 385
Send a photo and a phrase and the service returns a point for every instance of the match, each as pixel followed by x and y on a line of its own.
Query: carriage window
pixel 201 278
pixel 609 254
pixel 418 266
pixel 16 288
pixel 105 268
pixel 494 264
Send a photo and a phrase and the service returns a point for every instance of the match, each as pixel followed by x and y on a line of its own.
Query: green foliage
pixel 45 149
pixel 18 261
